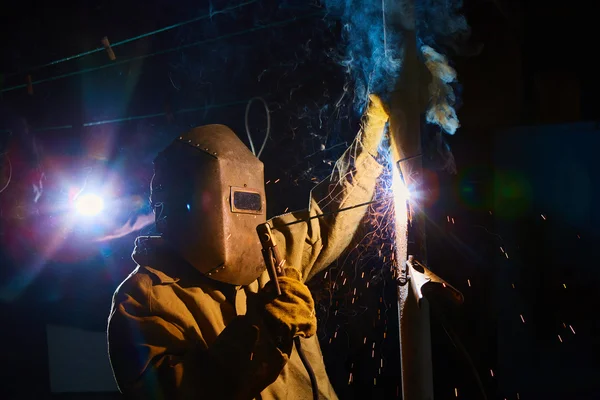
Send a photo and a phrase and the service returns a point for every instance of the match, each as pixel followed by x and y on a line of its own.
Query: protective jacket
pixel 173 333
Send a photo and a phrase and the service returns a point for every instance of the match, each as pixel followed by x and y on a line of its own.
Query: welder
pixel 198 317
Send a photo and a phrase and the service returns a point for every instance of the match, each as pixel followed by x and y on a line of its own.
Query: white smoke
pixel 441 94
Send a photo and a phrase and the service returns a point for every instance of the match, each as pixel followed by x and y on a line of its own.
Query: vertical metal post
pixel 405 122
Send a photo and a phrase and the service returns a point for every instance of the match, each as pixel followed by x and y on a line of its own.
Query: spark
pixel 565 285
pixel 375 381
pixel 251 356
pixel 448 218
pixel 469 282
pixel 276 180
pixel 287 208
pixel 492 373
pixel 501 249
pixel 564 325
pixel 267 182
pixel 381 363
pixel 506 254
pixel 350 379
pixel 490 213
pixel 543 217
pixel 559 338
pixel 326 272
pixel 365 341
pixel 522 319
pixel 228 236
pixel 578 237
pixel 453 221
pixel 513 285
pixel 456 392
pixel 572 330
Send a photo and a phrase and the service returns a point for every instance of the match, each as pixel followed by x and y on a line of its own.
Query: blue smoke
pixel 373 53
pixel 374 46
pixel 440 23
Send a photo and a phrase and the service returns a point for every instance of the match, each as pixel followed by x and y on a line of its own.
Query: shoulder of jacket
pixel 137 285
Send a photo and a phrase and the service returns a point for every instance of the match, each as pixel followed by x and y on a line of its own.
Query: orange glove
pixel 293 313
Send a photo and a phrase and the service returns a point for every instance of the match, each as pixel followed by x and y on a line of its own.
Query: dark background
pixel 525 186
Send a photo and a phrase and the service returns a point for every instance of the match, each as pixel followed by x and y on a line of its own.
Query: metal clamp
pixel 425 282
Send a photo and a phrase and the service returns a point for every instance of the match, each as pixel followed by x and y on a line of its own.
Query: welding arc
pixel 166 51
pixel 134 38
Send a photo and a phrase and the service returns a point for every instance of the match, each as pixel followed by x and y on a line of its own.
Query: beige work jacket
pixel 167 328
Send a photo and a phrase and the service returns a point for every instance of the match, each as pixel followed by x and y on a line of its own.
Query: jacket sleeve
pixel 152 358
pixel 313 238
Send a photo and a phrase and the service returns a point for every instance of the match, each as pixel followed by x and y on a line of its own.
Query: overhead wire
pixel 166 51
pixel 134 38
pixel 145 116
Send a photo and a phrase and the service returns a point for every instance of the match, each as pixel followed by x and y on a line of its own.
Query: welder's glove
pixel 293 313
pixel 375 117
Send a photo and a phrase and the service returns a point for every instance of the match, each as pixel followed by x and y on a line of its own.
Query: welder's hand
pixel 375 117
pixel 293 313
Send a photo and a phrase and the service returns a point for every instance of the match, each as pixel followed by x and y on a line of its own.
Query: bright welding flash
pixel 89 204
pixel 399 188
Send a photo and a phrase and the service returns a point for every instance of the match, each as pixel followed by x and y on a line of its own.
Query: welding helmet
pixel 208 196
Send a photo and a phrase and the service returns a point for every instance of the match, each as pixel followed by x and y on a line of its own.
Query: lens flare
pixel 89 204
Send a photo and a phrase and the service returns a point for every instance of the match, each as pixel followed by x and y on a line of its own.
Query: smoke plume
pixel 374 34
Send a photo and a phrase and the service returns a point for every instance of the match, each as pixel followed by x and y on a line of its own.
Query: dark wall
pixel 546 189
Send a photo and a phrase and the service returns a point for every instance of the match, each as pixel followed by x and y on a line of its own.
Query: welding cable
pixel 268 112
pixel 457 343
pixel 311 373
pixel 133 39
pixel 166 51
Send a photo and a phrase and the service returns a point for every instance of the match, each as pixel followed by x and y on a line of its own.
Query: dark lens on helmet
pixel 246 201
